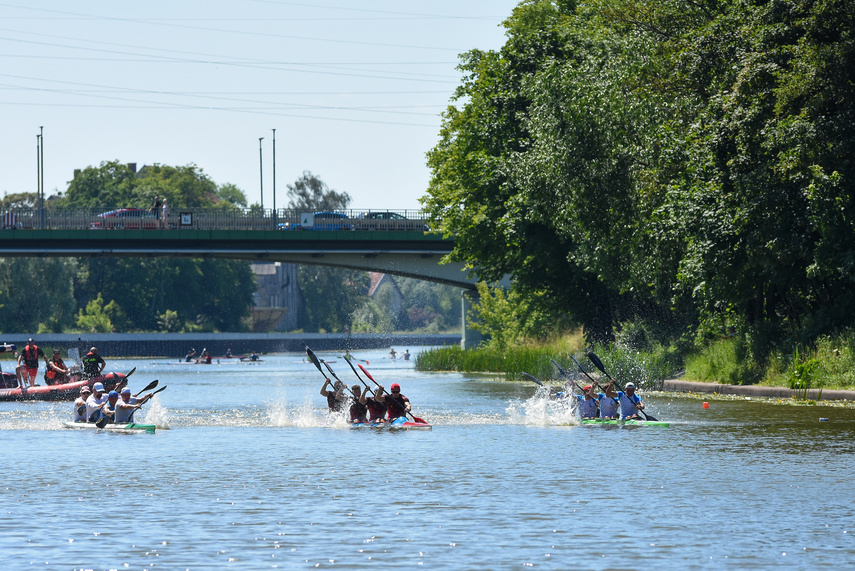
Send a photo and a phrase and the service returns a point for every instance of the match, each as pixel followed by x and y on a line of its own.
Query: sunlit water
pixel 248 471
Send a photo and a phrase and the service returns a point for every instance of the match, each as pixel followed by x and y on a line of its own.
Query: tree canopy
pixel 684 164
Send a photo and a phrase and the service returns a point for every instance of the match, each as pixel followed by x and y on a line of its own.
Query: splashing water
pixel 540 410
pixel 156 414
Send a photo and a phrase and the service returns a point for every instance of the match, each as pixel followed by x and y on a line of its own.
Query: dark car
pixel 319 221
pixel 128 219
pixel 389 221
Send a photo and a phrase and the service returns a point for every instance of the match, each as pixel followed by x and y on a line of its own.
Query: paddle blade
pixel 102 422
pixel 149 386
pixel 533 379
pixel 367 374
pixel 131 372
pixel 314 358
pixel 561 369
pixel 597 363
pixel 419 420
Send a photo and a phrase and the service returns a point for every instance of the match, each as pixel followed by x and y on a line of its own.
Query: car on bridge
pixel 127 219
pixel 386 220
pixel 319 221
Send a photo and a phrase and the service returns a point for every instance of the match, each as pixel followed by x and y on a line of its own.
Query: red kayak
pixel 10 391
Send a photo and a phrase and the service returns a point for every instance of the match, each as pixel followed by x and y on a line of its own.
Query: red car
pixel 127 218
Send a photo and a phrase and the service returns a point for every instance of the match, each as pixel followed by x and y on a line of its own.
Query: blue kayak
pixel 400 423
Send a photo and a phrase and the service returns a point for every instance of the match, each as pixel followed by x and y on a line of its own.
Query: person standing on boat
pixel 396 403
pixel 374 404
pixel 336 399
pixel 80 404
pixel 127 406
pixel 358 409
pixel 587 404
pixel 609 402
pixel 630 403
pixel 95 402
pixel 57 372
pixel 93 364
pixel 28 363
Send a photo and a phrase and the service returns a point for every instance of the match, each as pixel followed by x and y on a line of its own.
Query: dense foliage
pixel 682 165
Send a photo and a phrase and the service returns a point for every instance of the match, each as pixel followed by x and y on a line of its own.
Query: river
pixel 247 471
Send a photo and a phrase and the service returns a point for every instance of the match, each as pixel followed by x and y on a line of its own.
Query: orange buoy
pixel 705 405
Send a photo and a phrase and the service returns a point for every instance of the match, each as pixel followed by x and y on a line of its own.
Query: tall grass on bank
pixel 511 361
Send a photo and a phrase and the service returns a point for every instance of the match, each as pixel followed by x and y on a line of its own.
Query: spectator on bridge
pixel 165 219
pixel 155 208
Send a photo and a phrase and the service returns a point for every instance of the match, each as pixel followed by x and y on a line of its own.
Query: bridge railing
pixel 215 219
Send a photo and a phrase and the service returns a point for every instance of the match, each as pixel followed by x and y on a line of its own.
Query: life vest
pixel 31 356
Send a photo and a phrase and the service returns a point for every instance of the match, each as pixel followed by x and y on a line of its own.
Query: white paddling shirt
pixel 80 404
pixel 124 412
pixel 93 404
pixel 587 407
pixel 627 404
pixel 608 406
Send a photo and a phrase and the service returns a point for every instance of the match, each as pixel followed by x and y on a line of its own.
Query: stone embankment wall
pixel 753 390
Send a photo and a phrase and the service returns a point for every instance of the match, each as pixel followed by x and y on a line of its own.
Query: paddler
pixel 630 403
pixel 587 403
pixel 57 372
pixel 396 403
pixel 358 409
pixel 336 399
pixel 190 354
pixel 80 404
pixel 128 405
pixel 95 402
pixel 108 411
pixel 608 401
pixel 93 364
pixel 374 403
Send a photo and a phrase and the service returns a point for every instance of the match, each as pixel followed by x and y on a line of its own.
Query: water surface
pixel 247 471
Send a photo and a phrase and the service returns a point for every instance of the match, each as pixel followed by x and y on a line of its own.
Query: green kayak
pixel 615 422
pixel 128 427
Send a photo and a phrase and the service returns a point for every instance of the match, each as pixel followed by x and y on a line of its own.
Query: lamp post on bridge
pixel 274 179
pixel 261 174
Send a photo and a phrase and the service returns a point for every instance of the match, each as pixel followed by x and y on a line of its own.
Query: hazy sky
pixel 353 89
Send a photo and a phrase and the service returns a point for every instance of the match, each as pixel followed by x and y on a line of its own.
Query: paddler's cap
pixel 126 390
pixel 85 390
pixel 56 351
pixel 395 387
pixel 93 350
pixel 113 395
pixel 587 388
pixel 30 340
pixel 630 385
pixel 98 388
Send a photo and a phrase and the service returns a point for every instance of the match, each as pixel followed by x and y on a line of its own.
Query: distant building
pixel 278 299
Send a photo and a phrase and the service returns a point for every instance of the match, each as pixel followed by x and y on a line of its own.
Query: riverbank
pixel 167 345
pixel 674 385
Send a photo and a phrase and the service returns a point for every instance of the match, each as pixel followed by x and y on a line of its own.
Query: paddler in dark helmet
pixel 396 403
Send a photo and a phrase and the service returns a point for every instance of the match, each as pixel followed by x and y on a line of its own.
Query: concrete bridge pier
pixel 470 338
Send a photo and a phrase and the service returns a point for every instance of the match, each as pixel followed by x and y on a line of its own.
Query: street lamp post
pixel 261 174
pixel 274 179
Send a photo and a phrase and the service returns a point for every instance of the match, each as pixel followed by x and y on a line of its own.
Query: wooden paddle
pixel 367 374
pixel 599 364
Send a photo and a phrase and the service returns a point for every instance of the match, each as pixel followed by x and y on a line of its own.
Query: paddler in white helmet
pixel 630 403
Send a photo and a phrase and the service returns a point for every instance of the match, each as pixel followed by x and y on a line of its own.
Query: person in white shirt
pixel 128 405
pixel 80 404
pixel 95 402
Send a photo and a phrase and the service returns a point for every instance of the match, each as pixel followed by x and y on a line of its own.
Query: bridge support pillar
pixel 470 337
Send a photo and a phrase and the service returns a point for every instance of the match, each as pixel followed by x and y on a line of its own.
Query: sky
pixel 354 90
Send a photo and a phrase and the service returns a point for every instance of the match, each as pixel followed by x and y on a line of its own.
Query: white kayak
pixel 130 427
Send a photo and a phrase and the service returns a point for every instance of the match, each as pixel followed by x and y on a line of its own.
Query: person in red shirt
pixel 375 405
pixel 396 403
